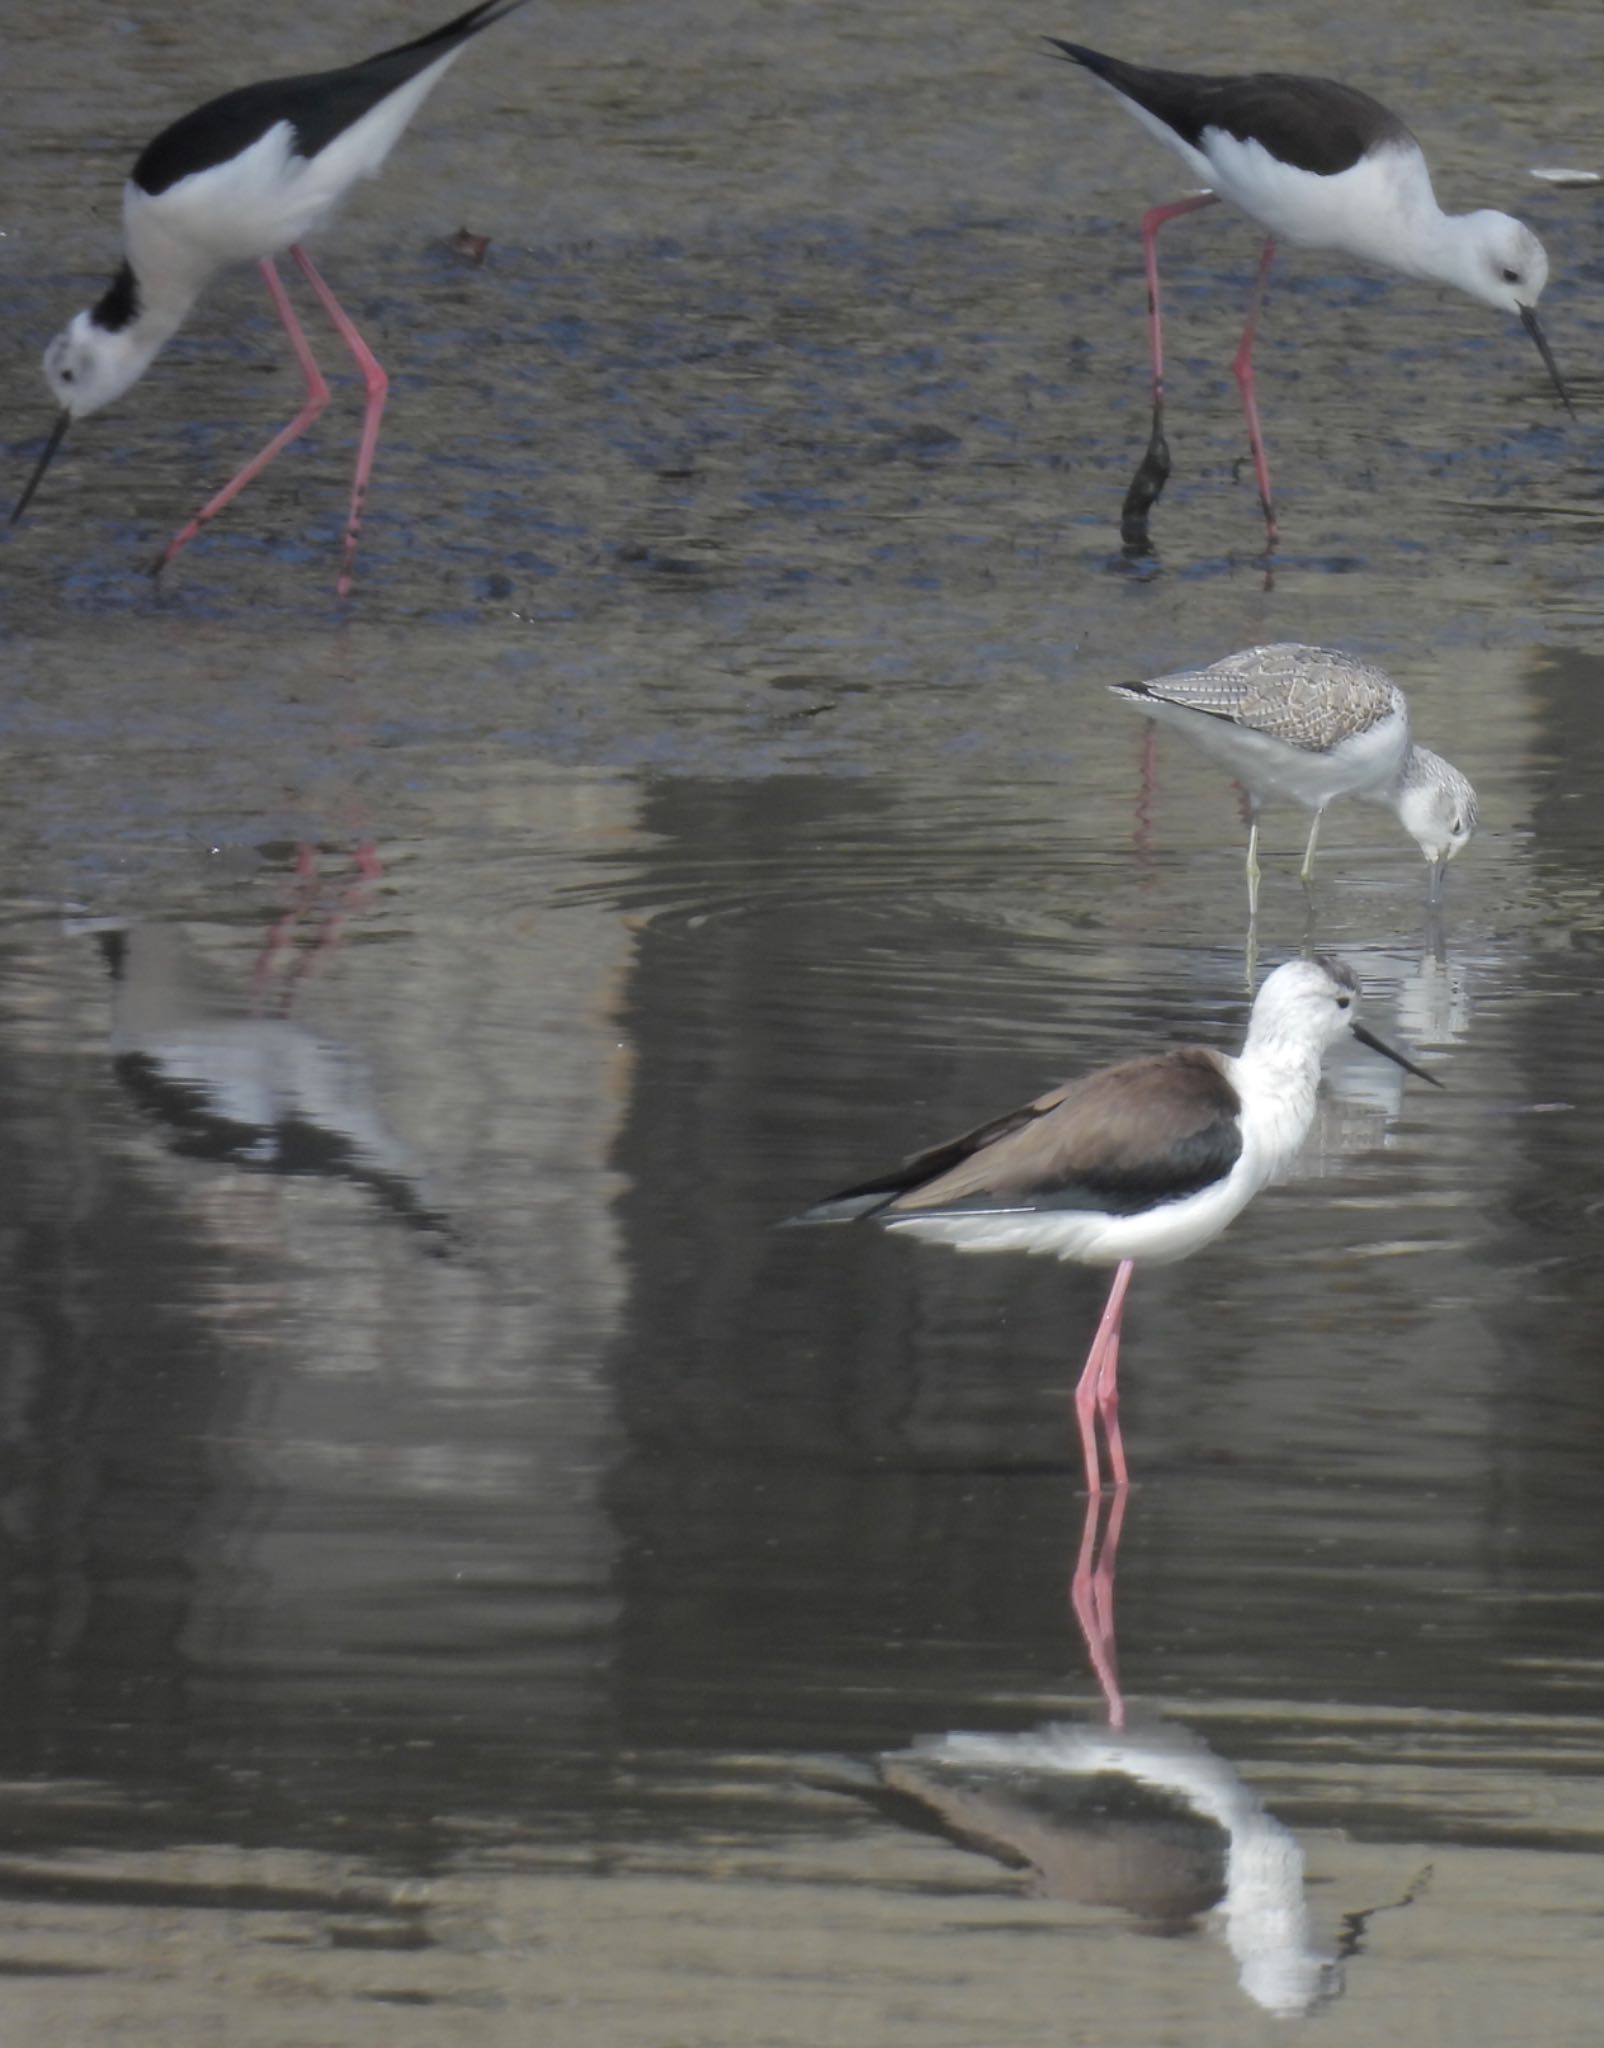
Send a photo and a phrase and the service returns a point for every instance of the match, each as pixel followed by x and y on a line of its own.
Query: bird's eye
pixel 1344 1002
pixel 1511 276
pixel 67 376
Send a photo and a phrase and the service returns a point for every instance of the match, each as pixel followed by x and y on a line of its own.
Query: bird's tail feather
pixel 484 14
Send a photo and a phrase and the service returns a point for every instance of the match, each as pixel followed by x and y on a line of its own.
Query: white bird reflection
pixel 239 1081
pixel 1425 1000
pixel 1147 1819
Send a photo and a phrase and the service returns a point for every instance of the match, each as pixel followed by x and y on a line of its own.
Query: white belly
pixel 1370 211
pixel 1368 763
pixel 1091 1237
pixel 1277 1110
pixel 263 200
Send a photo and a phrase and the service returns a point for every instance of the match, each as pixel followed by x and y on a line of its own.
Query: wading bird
pixel 1147 1160
pixel 1318 164
pixel 240 179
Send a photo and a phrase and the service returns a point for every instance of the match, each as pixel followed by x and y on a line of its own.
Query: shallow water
pixel 466 1571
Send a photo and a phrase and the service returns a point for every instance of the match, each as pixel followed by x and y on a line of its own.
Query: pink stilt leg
pixel 1091 1594
pixel 317 397
pixel 1096 1392
pixel 1107 1372
pixel 376 384
pixel 1152 221
pixel 1153 471
pixel 1242 367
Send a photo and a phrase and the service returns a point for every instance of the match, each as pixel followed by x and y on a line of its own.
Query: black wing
pixel 318 106
pixel 1122 1140
pixel 1314 124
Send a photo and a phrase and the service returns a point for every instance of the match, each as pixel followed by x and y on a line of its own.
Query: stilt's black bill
pixel 1528 320
pixel 1387 1052
pixel 63 422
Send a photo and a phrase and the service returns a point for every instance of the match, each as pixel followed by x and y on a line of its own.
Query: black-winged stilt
pixel 242 178
pixel 1313 723
pixel 1315 163
pixel 1147 1160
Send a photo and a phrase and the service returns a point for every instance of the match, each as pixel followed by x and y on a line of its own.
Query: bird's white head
pixel 1303 1008
pixel 95 358
pixel 1437 807
pixel 1501 262
pixel 88 365
pixel 1504 263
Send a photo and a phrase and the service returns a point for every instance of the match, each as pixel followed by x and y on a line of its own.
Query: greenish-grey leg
pixel 1253 864
pixel 1307 870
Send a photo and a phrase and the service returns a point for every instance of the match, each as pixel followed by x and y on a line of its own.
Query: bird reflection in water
pixel 246 1085
pixel 1146 1818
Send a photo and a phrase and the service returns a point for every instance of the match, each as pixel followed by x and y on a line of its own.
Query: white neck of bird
pixel 1277 1075
pixel 1281 1055
pixel 121 355
pixel 161 314
pixel 1447 248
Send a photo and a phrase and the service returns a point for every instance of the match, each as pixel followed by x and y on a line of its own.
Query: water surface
pixel 467 1572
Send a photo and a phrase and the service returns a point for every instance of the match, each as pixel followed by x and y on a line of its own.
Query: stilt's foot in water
pixel 1152 474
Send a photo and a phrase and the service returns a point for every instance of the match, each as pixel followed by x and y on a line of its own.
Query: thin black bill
pixel 1368 1037
pixel 63 422
pixel 1528 320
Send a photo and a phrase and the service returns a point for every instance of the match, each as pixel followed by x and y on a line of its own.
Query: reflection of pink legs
pixel 1242 369
pixel 1091 1593
pixel 1147 790
pixel 375 383
pixel 1097 1391
pixel 275 959
pixel 283 926
pixel 1152 221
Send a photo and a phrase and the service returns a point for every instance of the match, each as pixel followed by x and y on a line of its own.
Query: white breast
pixel 1277 1110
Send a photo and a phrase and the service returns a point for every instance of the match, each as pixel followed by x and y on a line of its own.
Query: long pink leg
pixel 1108 1368
pixel 1096 1392
pixel 1152 221
pixel 376 384
pixel 1153 471
pixel 1242 367
pixel 317 397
